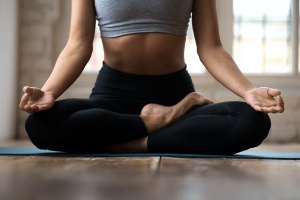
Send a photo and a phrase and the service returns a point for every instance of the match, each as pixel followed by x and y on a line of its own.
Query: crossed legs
pixel 191 126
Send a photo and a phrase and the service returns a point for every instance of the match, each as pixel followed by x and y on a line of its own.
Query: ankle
pixel 154 122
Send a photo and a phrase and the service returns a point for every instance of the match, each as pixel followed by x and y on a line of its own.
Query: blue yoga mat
pixel 25 151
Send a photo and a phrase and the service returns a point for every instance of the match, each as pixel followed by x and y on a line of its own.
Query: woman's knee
pixel 261 129
pixel 256 125
pixel 37 130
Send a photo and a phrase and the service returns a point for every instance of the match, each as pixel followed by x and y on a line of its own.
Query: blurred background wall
pixel 33 32
pixel 43 32
pixel 8 66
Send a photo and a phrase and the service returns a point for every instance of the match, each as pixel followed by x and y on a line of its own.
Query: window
pixel 264 36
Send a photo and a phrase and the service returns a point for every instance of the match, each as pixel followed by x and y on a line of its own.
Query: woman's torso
pixel 149 54
pixel 143 51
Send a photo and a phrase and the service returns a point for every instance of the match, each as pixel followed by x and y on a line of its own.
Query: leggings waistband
pixel 113 84
pixel 142 78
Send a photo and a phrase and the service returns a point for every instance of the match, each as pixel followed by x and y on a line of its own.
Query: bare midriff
pixel 145 54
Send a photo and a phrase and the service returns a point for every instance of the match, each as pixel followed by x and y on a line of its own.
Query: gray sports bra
pixel 122 17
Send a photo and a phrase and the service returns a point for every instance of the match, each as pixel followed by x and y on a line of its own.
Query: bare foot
pixel 157 116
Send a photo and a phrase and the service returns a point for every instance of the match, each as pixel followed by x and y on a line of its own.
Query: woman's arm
pixel 210 50
pixel 221 65
pixel 77 51
pixel 70 62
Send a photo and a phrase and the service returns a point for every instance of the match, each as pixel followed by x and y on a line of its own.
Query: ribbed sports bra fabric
pixel 122 17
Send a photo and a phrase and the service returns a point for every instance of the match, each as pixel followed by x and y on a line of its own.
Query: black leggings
pixel 111 116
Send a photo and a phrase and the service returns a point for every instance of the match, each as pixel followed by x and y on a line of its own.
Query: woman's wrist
pixel 50 92
pixel 246 90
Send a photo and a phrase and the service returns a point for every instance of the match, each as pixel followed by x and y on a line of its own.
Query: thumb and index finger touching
pixel 30 93
pixel 275 93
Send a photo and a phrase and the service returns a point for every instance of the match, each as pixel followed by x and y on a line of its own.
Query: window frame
pixel 295 39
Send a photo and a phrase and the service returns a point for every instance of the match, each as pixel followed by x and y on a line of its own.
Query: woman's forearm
pixel 67 69
pixel 223 68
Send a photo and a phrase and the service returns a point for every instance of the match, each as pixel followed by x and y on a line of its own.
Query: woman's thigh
pixel 221 128
pixel 82 125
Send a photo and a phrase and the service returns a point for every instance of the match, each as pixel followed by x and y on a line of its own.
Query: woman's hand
pixel 35 100
pixel 265 99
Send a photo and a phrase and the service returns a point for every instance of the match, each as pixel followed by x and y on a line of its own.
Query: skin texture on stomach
pixel 145 54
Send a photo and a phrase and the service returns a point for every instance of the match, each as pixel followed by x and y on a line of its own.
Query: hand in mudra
pixel 35 100
pixel 265 99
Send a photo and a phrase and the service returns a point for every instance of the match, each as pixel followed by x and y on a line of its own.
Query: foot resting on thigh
pixel 157 116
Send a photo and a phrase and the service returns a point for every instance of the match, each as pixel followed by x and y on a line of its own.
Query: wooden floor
pixel 148 178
